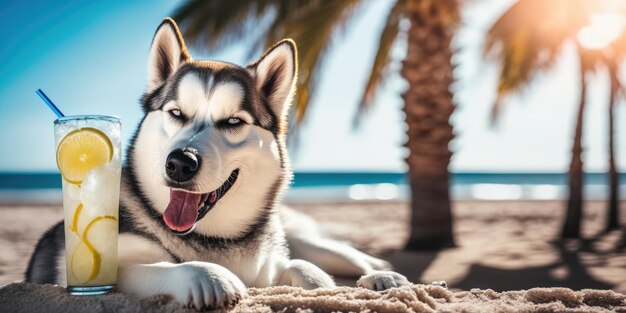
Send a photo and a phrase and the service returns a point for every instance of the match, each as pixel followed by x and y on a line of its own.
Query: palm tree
pixel 526 45
pixel 613 214
pixel 313 24
pixel 614 54
pixel 609 57
pixel 527 39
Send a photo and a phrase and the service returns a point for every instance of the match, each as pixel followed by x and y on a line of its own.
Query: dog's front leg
pixel 196 284
pixel 300 273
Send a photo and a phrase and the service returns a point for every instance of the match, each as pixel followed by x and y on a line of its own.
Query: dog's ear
pixel 167 53
pixel 275 74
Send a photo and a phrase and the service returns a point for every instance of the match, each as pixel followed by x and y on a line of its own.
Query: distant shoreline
pixel 52 180
pixel 44 187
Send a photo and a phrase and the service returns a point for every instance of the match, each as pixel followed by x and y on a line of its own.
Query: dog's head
pixel 210 150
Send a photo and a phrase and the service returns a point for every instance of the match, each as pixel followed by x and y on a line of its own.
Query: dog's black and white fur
pixel 214 131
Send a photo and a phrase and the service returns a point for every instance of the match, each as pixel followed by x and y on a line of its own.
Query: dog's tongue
pixel 182 211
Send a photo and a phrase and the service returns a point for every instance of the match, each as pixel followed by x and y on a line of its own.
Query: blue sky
pixel 90 57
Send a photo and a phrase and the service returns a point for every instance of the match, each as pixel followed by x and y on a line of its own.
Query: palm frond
pixel 618 46
pixel 528 37
pixel 615 61
pixel 211 23
pixel 383 58
pixel 313 29
pixel 215 23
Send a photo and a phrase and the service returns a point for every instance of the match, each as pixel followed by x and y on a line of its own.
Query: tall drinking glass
pixel 88 152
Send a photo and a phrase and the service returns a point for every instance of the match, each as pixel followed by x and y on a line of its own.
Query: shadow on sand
pixel 571 270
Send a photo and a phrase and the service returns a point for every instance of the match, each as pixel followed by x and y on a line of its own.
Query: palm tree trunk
pixel 613 212
pixel 428 106
pixel 571 228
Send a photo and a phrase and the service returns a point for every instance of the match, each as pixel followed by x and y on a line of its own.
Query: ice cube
pixel 71 195
pixel 100 190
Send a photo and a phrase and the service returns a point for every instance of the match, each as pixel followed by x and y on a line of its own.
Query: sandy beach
pixel 501 245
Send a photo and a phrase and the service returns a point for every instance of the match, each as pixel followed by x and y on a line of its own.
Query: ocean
pixel 359 186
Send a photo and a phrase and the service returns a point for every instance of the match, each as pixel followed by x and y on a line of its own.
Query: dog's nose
pixel 182 165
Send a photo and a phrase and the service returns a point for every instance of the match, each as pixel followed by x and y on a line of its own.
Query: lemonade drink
pixel 89 158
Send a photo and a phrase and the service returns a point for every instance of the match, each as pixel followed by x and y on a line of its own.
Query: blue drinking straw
pixel 50 104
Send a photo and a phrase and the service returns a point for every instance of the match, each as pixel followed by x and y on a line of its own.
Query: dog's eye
pixel 234 121
pixel 175 113
pixel 230 123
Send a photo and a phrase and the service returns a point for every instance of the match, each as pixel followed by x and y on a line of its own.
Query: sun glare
pixel 603 29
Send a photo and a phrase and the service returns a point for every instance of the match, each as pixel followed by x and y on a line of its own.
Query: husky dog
pixel 200 217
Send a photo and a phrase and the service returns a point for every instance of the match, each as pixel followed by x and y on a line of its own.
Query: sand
pixel 27 298
pixel 501 246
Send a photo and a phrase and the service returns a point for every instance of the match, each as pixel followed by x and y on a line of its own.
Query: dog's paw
pixel 442 284
pixel 382 280
pixel 202 286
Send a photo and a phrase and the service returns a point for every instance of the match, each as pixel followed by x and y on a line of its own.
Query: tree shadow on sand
pixel 569 271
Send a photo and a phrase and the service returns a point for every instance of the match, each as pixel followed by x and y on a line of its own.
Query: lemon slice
pixel 82 150
pixel 85 263
pixel 86 260
pixel 74 226
pixel 99 231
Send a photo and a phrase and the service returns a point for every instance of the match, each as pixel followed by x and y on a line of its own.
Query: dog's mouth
pixel 187 208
